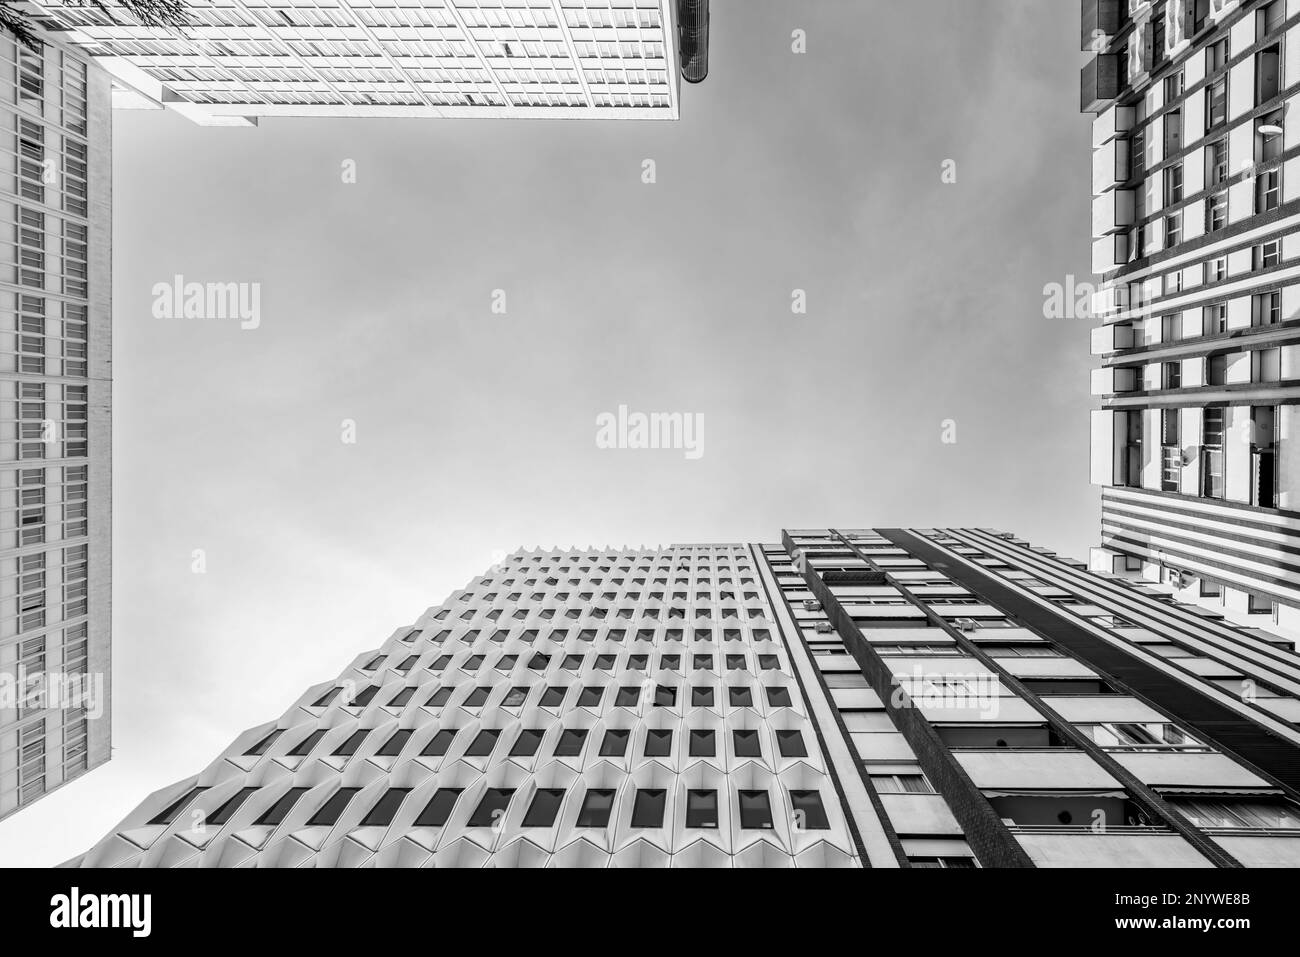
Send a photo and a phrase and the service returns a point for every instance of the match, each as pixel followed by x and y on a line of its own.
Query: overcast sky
pixel 475 432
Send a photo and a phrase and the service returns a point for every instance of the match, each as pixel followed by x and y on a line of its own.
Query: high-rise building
pixel 1196 188
pixel 883 698
pixel 55 392
pixel 243 59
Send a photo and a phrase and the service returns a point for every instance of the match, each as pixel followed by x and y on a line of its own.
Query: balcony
pixel 1101 21
pixel 1099 83
pixel 1111 211
pixel 1109 252
pixel 1111 379
pixel 1110 165
pixel 1112 338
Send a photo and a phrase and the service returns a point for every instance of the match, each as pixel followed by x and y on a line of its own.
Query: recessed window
pixel 702 697
pixel 545 807
pixel 440 697
pixel 365 697
pixel 778 697
pixel 526 745
pixel 746 744
pixel 590 697
pixel 701 808
pixel 261 746
pixel 223 814
pixel 596 807
pixel 326 698
pixel 790 744
pixel 329 811
pixel 484 743
pixel 381 815
pixel 515 697
pixel 393 746
pixel 665 696
pixel 570 743
pixel 658 743
pixel 276 812
pixel 401 699
pixel 906 782
pixel 809 812
pixel 349 747
pixel 648 809
pixel 740 697
pixel 627 697
pixel 169 813
pixel 305 746
pixel 702 662
pixel 439 743
pixel 755 810
pixel 438 809
pixel 478 697
pixel 491 807
pixel 615 743
pixel 735 662
pixel 703 744
pixel 553 697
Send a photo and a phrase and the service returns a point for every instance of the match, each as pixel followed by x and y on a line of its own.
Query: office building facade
pixel 852 698
pixel 244 59
pixel 1196 189
pixel 55 397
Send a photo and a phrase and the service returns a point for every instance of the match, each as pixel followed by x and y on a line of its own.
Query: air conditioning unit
pixel 811 604
pixel 823 627
pixel 966 624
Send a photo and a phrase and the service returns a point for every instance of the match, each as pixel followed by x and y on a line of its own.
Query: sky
pixel 287 496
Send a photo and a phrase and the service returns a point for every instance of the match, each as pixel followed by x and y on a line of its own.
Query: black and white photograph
pixel 649 435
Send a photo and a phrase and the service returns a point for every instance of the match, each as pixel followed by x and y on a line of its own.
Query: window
pixel 401 698
pixel 326 698
pixel 703 744
pixel 492 807
pixel 1216 56
pixel 477 698
pixel 484 743
pixel 553 697
pixel 746 744
pixel 1214 319
pixel 1171 375
pixel 1173 129
pixel 627 697
pixel 790 744
pixel 658 743
pixel 570 743
pixel 393 746
pixel 305 746
pixel 590 697
pixel 809 812
pixel 1216 103
pixel 276 813
pixel 1173 184
pixel 546 805
pixel 526 745
pixel 223 814
pixel 364 697
pixel 615 743
pixel 381 815
pixel 329 812
pixel 169 813
pixel 440 697
pixel 261 746
pixel 515 698
pixel 701 808
pixel 1268 190
pixel 957 862
pixel 702 697
pixel 755 810
pixel 349 747
pixel 438 809
pixel 665 696
pixel 1173 228
pixel 1266 309
pixel 778 697
pixel 1231 812
pixel 740 697
pixel 1149 736
pixel 1266 255
pixel 439 743
pixel 904 782
pixel 648 809
pixel 1216 212
pixel 1216 163
pixel 596 807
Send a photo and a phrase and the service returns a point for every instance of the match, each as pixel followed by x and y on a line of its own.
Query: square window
pixel 665 696
pixel 615 743
pixel 570 743
pixel 545 807
pixel 385 809
pixel 439 743
pixel 658 743
pixel 740 697
pixel 527 743
pixel 648 809
pixel 703 744
pixel 438 809
pixel 627 697
pixel 790 744
pixel 746 744
pixel 492 807
pixel 596 807
pixel 701 808
pixel 702 697
pixel 484 743
pixel 809 812
pixel 755 810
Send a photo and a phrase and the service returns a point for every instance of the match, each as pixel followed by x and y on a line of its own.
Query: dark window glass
pixel 701 808
pixel 740 697
pixel 483 744
pixel 393 746
pixel 615 743
pixel 746 743
pixel 440 697
pixel 401 698
pixel 658 743
pixel 492 806
pixel 665 697
pixel 277 811
pixel 169 814
pixel 596 807
pixel 222 814
pixel 590 697
pixel 439 743
pixel 553 697
pixel 702 662
pixel 779 697
pixel 735 662
pixel 545 806
pixel 648 810
pixel 261 746
pixel 755 810
pixel 570 743
pixel 477 697
pixel 809 805
pixel 702 697
pixel 791 744
pixel 527 743
pixel 703 744
pixel 627 697
pixel 438 809
pixel 326 698
pixel 331 809
pixel 305 746
pixel 353 742
pixel 365 697
pixel 515 698
pixel 381 815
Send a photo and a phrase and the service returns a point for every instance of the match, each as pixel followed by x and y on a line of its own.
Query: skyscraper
pixel 883 698
pixel 1196 191
pixel 55 393
pixel 243 59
